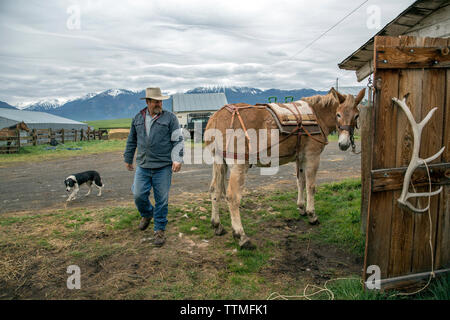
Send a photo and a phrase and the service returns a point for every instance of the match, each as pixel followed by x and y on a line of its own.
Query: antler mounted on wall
pixel 415 159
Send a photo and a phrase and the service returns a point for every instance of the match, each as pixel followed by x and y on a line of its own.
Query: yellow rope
pixel 432 274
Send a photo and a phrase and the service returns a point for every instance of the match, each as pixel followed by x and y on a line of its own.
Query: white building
pixel 189 107
pixel 37 120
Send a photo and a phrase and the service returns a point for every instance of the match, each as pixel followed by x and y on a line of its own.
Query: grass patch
pixel 113 123
pixel 249 261
pixel 438 290
pixel 39 152
pixel 338 208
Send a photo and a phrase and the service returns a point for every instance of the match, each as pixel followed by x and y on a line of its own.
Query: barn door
pixel 398 240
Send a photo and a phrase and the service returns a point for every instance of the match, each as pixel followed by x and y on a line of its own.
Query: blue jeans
pixel 160 180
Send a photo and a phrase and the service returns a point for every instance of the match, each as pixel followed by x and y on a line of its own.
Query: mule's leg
pixel 234 194
pixel 312 164
pixel 216 190
pixel 301 181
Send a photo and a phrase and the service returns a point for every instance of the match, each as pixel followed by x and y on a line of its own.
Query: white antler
pixel 415 159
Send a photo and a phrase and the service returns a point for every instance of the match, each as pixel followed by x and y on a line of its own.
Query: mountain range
pixel 5 105
pixel 121 103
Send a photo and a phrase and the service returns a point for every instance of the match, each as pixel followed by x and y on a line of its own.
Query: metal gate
pixel 397 240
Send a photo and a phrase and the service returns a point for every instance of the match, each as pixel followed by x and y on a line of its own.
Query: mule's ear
pixel 338 95
pixel 360 96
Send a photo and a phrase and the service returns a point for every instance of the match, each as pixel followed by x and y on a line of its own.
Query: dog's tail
pixel 98 181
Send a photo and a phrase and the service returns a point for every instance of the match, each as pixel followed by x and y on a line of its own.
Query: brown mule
pixel 334 111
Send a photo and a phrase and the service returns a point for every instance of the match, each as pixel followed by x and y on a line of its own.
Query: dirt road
pixel 39 185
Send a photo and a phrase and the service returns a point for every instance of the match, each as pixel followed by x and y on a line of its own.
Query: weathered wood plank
pixel 381 204
pixel 413 57
pixel 364 71
pixel 402 224
pixel 443 233
pixel 392 179
pixel 435 25
pixel 433 95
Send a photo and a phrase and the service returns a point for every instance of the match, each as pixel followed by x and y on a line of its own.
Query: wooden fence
pixel 397 240
pixel 11 141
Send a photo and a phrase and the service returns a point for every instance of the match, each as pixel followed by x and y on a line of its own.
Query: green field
pixel 114 123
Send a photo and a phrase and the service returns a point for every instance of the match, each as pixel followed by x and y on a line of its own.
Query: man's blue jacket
pixel 155 150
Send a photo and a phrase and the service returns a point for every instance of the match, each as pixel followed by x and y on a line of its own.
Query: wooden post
pixel 81 134
pixel 88 134
pixel 18 139
pixel 74 135
pixel 34 135
pixel 49 135
pixel 62 136
pixel 366 151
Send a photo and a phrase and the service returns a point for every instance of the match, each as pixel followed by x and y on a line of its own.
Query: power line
pixel 324 33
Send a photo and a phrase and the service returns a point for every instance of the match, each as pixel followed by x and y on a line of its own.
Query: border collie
pixel 74 181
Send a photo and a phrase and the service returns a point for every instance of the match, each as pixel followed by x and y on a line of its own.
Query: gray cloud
pixel 176 44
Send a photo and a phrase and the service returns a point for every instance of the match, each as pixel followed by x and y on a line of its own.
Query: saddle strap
pixel 235 110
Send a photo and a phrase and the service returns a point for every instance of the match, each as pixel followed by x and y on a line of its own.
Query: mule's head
pixel 346 118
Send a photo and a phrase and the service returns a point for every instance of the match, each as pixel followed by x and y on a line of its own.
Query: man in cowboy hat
pixel 156 134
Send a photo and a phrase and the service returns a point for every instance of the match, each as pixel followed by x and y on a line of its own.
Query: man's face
pixel 154 106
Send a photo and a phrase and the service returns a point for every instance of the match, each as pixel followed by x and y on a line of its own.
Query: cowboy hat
pixel 154 93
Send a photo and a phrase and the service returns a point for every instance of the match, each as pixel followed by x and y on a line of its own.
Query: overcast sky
pixel 47 52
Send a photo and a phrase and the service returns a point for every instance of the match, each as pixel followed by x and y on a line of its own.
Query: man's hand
pixel 176 166
pixel 129 166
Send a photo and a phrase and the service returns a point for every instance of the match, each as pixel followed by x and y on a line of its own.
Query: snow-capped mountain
pixel 122 103
pixel 218 89
pixel 6 105
pixel 45 105
pixel 115 92
pixel 254 95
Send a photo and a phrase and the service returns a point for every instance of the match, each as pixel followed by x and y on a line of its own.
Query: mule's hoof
pixel 302 210
pixel 246 244
pixel 314 221
pixel 236 235
pixel 312 218
pixel 220 230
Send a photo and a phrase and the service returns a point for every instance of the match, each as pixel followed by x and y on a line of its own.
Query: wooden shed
pixel 410 55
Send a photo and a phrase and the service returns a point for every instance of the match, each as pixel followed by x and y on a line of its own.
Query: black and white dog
pixel 74 181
